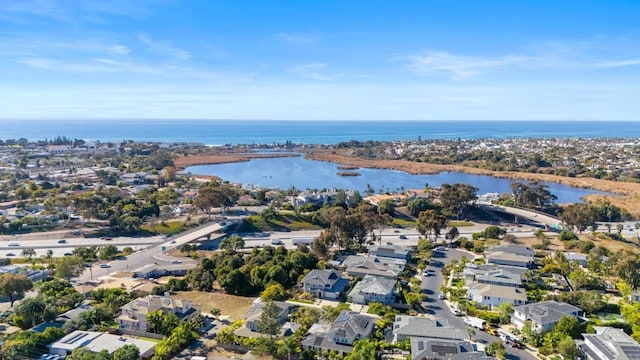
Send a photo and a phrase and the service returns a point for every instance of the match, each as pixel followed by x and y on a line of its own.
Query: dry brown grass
pixel 217 157
pixel 556 244
pixel 233 306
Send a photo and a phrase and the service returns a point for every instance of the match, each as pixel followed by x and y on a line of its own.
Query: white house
pixel 543 315
pixel 373 289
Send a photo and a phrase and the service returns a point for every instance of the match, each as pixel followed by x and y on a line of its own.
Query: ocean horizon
pixel 219 132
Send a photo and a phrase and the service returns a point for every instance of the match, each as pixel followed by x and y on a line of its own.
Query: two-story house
pixel 406 326
pixel 543 315
pixel 133 316
pixel 609 344
pixel 373 289
pixel 253 317
pixel 348 327
pixel 325 284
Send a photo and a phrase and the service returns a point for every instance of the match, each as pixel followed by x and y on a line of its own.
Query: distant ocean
pixel 217 132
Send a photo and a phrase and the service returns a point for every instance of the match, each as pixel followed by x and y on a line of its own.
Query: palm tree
pixel 154 319
pixel 637 226
pixel 608 226
pixel 619 227
pixel 471 332
pixel 28 253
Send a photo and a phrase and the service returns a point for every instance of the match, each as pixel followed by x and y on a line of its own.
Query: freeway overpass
pixel 548 221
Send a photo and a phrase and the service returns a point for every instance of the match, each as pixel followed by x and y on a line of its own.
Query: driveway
pixel 440 310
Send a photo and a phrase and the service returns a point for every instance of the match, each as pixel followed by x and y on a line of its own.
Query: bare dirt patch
pixel 233 306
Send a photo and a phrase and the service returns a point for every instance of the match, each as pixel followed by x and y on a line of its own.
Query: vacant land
pixel 230 305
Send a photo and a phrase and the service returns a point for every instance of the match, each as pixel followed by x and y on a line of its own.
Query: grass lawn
pixel 233 306
pixel 168 228
pixel 403 222
pixel 283 221
pixel 460 223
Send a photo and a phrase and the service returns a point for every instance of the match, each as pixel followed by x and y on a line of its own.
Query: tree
pixel 496 349
pixel 452 234
pixel 430 222
pixel 578 217
pixel 232 243
pixel 216 312
pixel 386 206
pixel 637 226
pixel 533 195
pixel 154 319
pixel 13 286
pixel 505 310
pixel 457 197
pixel 569 326
pixel 418 205
pixel 274 292
pixel 269 319
pixel 568 349
pixel 127 352
pixel 107 252
pixel 363 350
pixel 619 227
pixel 28 253
pixel 471 332
pixel 69 266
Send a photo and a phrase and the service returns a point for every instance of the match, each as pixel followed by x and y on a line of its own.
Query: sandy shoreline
pixel 630 191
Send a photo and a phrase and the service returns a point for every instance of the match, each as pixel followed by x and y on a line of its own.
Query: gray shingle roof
pixel 422 348
pixel 546 312
pixel 406 326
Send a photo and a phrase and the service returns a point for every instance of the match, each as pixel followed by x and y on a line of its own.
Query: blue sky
pixel 320 59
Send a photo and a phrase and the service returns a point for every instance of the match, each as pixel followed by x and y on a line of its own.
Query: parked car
pixel 428 272
pixel 68 254
pixel 441 296
pixel 441 248
pixel 11 254
pixel 403 237
pixel 456 312
pixel 105 266
pixel 62 241
pixel 14 244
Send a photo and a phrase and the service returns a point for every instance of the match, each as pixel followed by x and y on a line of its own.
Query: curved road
pixel 440 310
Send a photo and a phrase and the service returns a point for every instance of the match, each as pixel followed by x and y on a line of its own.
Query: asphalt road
pixel 15 247
pixel 440 310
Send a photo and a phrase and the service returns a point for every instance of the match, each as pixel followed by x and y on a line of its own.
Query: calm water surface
pixel 301 173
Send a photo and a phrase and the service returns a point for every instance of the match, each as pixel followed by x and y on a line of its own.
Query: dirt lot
pixel 233 306
pixel 557 244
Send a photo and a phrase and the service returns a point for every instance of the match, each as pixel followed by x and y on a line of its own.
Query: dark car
pixel 62 241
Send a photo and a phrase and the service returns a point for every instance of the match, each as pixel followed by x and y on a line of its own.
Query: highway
pixel 152 254
pixel 8 247
pixel 535 216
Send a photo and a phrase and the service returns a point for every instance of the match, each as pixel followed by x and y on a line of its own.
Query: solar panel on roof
pixel 444 349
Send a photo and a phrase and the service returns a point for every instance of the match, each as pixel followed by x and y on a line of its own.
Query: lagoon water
pixel 301 173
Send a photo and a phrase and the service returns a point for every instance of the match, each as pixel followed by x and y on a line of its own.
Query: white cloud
pixel 317 71
pixel 456 66
pixel 296 38
pixel 164 48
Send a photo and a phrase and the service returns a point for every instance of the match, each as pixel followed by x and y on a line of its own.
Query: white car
pixel 441 248
pixel 428 272
pixel 14 244
pixel 456 312
pixel 175 261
